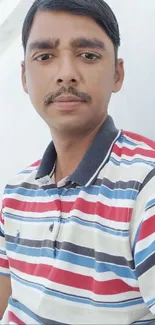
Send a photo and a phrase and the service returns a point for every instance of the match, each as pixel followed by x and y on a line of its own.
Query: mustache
pixel 49 98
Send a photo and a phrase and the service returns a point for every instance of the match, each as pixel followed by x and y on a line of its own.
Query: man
pixel 77 228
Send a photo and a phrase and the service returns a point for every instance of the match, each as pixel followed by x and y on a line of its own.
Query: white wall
pixel 24 136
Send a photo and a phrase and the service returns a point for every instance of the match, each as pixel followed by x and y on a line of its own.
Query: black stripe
pixel 146 265
pixel 72 248
pixel 31 243
pixel 151 322
pixel 147 179
pixel 1 234
pixel 150 207
pixel 24 185
pixel 120 185
pixel 29 186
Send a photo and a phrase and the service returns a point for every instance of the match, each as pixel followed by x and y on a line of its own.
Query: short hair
pixel 98 10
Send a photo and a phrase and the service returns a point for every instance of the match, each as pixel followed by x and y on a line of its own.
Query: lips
pixel 67 99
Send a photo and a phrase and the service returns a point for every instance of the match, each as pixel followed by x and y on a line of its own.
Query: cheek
pixel 101 78
pixel 102 86
pixel 36 86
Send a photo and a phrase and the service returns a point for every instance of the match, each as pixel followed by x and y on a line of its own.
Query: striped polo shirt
pixel 83 252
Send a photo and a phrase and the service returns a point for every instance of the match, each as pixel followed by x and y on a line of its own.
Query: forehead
pixel 65 26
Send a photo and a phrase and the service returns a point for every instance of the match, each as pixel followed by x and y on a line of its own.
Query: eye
pixel 44 57
pixel 90 56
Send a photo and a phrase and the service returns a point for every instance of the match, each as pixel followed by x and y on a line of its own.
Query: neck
pixel 71 150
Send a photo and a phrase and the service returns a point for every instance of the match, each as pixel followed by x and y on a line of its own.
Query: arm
pixel 5 292
pixel 144 252
pixel 5 283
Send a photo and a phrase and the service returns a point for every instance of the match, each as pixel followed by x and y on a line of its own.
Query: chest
pixel 88 225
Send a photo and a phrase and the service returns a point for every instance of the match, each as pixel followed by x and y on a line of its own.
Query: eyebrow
pixel 76 43
pixel 48 44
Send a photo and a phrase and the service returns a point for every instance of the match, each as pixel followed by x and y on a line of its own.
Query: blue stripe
pixel 151 302
pixel 26 172
pixel 5 274
pixel 2 252
pixel 119 194
pixel 133 161
pixel 145 253
pixel 150 203
pixel 23 308
pixel 34 219
pixel 69 257
pixel 30 251
pixel 136 238
pixel 124 140
pixel 94 225
pixel 99 267
pixel 94 190
pixel 77 299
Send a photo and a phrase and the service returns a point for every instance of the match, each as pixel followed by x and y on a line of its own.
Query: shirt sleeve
pixel 144 250
pixel 4 265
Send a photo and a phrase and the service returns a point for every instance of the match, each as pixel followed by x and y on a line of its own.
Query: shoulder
pixel 139 140
pixel 21 183
pixel 28 174
pixel 133 156
pixel 133 146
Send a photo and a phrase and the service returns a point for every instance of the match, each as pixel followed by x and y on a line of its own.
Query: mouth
pixel 67 99
pixel 67 102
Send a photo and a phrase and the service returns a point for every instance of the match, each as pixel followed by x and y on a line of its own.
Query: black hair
pixel 95 9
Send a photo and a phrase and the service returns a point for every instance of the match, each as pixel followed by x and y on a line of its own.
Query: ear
pixel 119 75
pixel 23 76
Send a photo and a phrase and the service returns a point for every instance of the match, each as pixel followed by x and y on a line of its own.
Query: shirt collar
pixel 94 160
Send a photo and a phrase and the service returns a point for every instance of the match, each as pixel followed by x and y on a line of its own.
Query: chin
pixel 69 127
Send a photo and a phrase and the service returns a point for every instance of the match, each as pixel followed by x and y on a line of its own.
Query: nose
pixel 68 74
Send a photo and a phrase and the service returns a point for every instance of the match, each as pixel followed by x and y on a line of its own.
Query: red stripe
pixel 118 214
pixel 72 279
pixel 32 206
pixel 35 164
pixel 1 218
pixel 4 263
pixel 131 153
pixel 147 228
pixel 13 318
pixel 140 138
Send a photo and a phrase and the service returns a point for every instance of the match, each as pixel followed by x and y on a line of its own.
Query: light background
pixel 23 135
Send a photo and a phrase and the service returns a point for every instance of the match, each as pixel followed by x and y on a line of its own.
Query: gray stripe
pixel 22 185
pixel 147 179
pixel 29 186
pixel 146 265
pixel 31 243
pixel 120 185
pixel 72 248
pixel 98 256
pixel 46 321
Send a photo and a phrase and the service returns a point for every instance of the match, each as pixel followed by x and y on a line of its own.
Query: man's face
pixel 69 71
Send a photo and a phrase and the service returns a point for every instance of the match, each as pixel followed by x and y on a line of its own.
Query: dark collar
pixel 93 161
